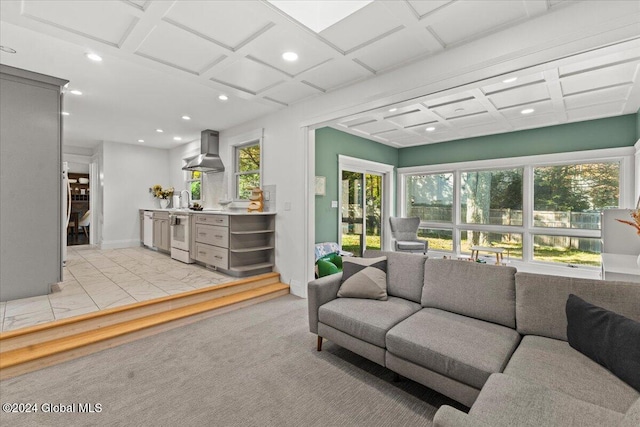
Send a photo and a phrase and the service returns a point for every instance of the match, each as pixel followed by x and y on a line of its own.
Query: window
pixel 572 196
pixel 430 197
pixel 194 185
pixel 540 208
pixel 492 197
pixel 246 169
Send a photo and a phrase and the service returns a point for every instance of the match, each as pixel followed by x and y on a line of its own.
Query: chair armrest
pixel 319 292
pixel 448 416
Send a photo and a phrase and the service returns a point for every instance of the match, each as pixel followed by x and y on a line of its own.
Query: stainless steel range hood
pixel 209 158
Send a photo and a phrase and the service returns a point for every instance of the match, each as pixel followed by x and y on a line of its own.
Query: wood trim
pixel 33 365
pixel 260 279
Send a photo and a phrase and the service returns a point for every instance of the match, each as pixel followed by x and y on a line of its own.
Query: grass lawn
pixel 351 243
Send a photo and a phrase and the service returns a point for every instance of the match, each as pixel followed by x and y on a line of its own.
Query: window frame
pixel 624 156
pixel 188 181
pixel 235 145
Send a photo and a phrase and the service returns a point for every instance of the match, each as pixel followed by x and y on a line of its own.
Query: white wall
pixel 288 156
pixel 128 173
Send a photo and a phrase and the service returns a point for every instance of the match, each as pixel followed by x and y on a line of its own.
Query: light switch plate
pixel 334 203
pixel 287 206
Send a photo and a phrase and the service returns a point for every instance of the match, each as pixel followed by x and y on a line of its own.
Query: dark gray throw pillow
pixel 364 278
pixel 608 338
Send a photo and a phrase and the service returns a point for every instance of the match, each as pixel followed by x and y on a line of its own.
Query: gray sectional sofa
pixel 486 336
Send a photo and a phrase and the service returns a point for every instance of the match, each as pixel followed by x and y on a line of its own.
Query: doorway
pixel 365 204
pixel 361 211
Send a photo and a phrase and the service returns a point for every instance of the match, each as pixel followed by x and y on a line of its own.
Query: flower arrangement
pixel 159 193
pixel 635 214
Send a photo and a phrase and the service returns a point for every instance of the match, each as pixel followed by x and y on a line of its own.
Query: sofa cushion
pixel 632 416
pixel 366 319
pixel 411 245
pixel 486 292
pixel 541 300
pixel 460 347
pixel 605 337
pixel 555 365
pixel 364 278
pixel 508 401
pixel 405 274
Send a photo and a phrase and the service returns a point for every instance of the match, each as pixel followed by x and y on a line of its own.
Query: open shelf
pixel 252 232
pixel 254 249
pixel 253 266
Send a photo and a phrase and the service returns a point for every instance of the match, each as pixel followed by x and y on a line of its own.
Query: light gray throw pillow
pixel 364 278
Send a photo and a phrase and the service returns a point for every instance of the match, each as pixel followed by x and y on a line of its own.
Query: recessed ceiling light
pixel 141 140
pixel 7 49
pixel 159 130
pixel 177 138
pixel 391 110
pixel 527 111
pixel 64 113
pixel 430 129
pixel 94 57
pixel 510 80
pixel 223 97
pixel 76 92
pixel 290 56
pixel 186 118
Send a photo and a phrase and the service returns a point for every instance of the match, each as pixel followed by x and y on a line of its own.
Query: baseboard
pixel 298 289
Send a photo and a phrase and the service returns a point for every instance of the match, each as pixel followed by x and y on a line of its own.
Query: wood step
pixel 31 348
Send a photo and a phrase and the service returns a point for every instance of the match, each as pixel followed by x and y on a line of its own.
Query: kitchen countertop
pixel 209 212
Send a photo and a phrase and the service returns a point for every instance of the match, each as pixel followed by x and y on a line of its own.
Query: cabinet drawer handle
pixel 218 256
pixel 202 253
pixel 218 236
pixel 202 234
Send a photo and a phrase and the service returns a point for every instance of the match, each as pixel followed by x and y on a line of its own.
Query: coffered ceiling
pixel 165 59
pixel 604 86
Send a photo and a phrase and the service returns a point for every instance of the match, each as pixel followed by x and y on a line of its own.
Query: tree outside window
pixel 247 169
pixel 563 208
pixel 194 184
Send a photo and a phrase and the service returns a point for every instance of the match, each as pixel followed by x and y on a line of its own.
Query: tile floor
pixel 100 279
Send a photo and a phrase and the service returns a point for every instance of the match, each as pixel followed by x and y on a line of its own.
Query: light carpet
pixel 256 366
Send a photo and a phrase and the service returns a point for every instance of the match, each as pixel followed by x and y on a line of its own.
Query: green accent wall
pixel 330 143
pixel 620 131
pixel 638 125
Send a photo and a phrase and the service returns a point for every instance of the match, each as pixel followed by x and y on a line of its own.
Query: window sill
pixel 580 271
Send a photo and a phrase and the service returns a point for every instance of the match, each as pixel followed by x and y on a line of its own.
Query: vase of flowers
pixel 635 223
pixel 163 195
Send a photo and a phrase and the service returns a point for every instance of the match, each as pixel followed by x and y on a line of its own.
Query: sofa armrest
pixel 319 292
pixel 448 416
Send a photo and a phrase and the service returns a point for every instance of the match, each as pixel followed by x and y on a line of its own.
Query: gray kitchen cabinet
pixel 237 244
pixel 31 212
pixel 161 231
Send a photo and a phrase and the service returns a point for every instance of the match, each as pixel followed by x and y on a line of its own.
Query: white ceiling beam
pixel 535 7
pixel 149 20
pixel 552 78
pixel 633 100
pixel 479 95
